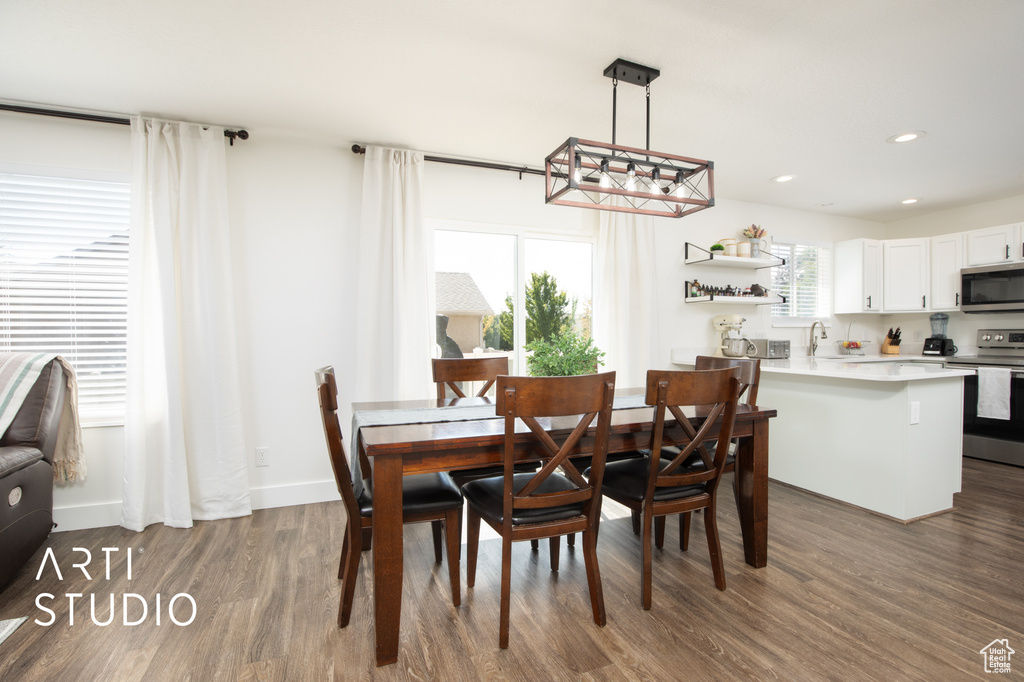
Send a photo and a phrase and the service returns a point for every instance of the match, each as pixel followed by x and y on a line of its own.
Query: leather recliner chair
pixel 26 471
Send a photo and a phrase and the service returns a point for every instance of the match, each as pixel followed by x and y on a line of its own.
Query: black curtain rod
pixel 357 149
pixel 230 134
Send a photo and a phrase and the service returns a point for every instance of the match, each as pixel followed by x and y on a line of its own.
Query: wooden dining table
pixel 397 450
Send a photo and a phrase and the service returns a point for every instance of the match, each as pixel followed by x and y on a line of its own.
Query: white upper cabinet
pixel 905 275
pixel 858 276
pixel 946 261
pixel 993 245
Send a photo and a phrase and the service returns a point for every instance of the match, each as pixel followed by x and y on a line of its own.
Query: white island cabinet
pixel 881 434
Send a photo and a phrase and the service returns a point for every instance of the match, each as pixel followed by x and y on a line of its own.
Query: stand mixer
pixel 731 343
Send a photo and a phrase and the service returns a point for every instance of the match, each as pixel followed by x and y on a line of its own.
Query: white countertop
pixel 862 368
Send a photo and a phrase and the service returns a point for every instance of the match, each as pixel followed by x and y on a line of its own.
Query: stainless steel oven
pixel 997 440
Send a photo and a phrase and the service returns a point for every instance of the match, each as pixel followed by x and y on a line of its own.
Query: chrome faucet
pixel 814 341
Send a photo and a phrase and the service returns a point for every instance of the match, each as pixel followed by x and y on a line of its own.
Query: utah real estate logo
pixel 997 656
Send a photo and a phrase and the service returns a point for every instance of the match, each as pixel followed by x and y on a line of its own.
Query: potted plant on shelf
pixel 754 234
pixel 717 248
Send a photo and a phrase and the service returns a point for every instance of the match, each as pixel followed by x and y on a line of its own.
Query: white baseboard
pixel 291 495
pixel 86 516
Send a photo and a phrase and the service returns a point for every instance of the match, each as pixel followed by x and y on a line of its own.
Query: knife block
pixel 888 348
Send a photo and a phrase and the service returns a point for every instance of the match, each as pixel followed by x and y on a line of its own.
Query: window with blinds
pixel 805 281
pixel 64 280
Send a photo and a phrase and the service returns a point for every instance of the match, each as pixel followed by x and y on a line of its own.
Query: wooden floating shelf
pixel 736 300
pixel 705 257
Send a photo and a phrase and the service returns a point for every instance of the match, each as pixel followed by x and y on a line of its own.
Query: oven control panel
pixel 1001 338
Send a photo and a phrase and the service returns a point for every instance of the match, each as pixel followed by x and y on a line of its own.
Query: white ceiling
pixel 807 87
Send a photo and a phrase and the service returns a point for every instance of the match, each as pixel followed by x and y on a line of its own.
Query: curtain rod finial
pixel 356 149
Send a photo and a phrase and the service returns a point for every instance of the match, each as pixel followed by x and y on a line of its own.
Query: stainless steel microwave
pixel 992 288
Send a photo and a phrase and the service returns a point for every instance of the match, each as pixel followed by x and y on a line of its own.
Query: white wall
pixel 294 216
pixel 962 327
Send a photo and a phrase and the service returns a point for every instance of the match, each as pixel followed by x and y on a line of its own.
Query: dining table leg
pixel 752 490
pixel 387 555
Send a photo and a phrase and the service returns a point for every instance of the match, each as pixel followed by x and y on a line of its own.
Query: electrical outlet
pixel 915 412
pixel 918 335
pixel 262 457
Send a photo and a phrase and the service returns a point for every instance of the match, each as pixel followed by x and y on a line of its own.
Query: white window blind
pixel 64 280
pixel 805 281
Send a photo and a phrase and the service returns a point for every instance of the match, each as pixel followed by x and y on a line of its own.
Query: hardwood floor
pixel 845 595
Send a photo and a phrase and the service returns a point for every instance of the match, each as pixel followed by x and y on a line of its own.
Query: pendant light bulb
pixel 606 180
pixel 630 175
pixel 656 181
pixel 680 184
pixel 578 175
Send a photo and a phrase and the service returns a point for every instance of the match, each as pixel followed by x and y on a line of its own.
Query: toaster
pixel 770 348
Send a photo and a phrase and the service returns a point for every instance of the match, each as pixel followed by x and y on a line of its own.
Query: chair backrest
pixel 750 373
pixel 327 389
pixel 37 421
pixel 533 398
pixel 710 394
pixel 448 371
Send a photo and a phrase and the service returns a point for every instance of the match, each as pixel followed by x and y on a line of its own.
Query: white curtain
pixel 184 450
pixel 394 310
pixel 626 309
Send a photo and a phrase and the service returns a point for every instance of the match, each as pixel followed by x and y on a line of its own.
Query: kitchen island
pixel 881 433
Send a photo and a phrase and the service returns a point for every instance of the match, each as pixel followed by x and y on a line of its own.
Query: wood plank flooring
pixel 845 595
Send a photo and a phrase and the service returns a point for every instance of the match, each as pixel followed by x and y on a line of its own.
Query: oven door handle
pixel 1014 374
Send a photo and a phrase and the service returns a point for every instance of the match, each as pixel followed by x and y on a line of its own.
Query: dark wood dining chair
pixel 656 486
pixel 448 374
pixel 425 497
pixel 750 377
pixel 545 503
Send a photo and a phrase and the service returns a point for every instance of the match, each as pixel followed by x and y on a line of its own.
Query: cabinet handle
pixel 958 298
pixel 1007 252
pixel 869 301
pixel 922 302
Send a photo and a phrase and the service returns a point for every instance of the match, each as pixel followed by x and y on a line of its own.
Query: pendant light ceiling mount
pixel 589 174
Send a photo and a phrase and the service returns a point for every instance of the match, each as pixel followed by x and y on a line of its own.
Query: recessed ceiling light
pixel 908 136
pixel 909 201
pixel 783 178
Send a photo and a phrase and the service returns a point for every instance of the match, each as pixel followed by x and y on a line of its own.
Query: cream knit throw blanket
pixel 18 373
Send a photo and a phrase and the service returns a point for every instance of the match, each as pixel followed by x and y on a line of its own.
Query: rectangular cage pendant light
pixel 611 177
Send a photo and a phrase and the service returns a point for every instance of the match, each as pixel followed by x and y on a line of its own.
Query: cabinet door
pixel 872 286
pixel 992 245
pixel 905 275
pixel 946 261
pixel 858 276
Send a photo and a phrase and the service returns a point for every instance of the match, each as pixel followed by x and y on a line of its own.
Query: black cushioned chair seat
pixel 583 463
pixel 496 470
pixel 17 457
pixel 629 479
pixel 420 493
pixel 695 463
pixel 486 494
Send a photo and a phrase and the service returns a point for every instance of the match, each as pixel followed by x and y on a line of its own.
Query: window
pixel 805 281
pixel 502 288
pixel 64 279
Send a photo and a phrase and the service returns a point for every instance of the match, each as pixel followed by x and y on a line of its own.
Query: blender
pixel 938 343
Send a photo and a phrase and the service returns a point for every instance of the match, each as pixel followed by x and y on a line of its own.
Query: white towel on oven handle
pixel 994 392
